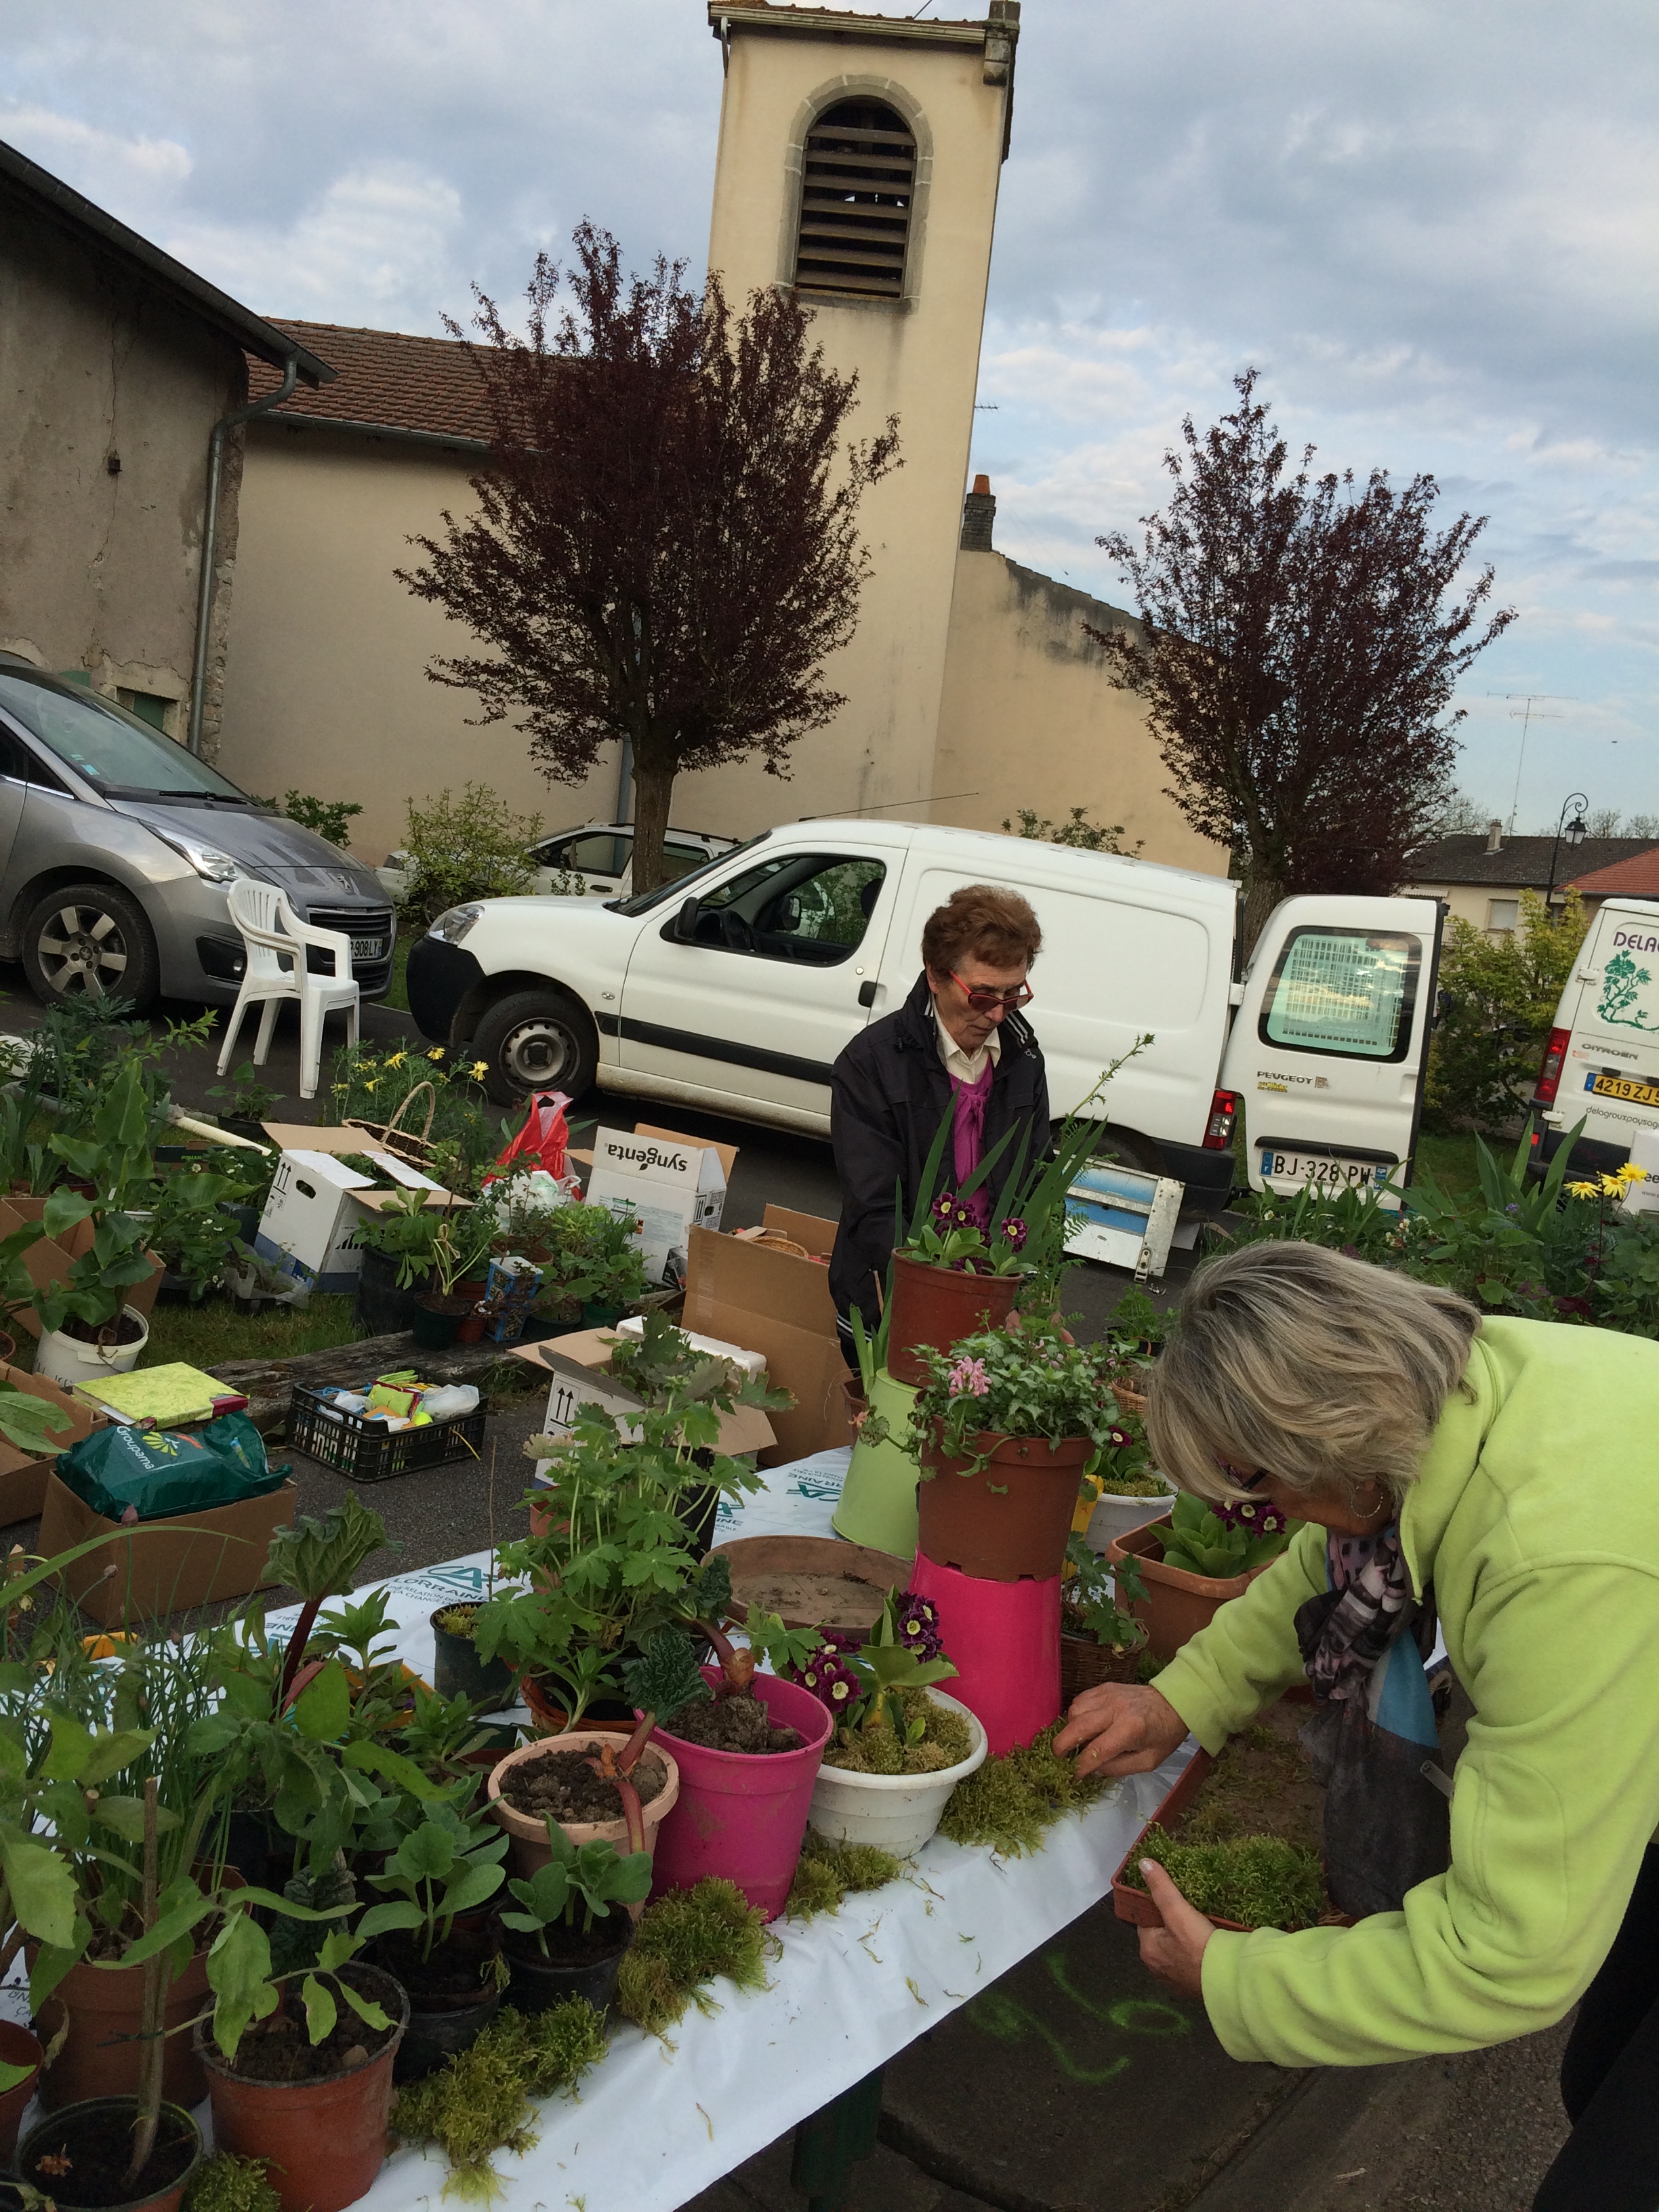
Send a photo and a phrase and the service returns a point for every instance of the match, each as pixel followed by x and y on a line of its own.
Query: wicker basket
pixel 414 1151
pixel 1084 1664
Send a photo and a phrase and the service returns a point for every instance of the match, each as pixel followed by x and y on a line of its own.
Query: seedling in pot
pixel 1092 1593
pixel 865 1687
pixel 591 1876
pixel 238 1970
pixel 445 1866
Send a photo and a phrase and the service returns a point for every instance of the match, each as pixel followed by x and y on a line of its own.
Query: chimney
pixel 1494 837
pixel 978 513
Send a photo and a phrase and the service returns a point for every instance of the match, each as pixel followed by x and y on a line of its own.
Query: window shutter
pixel 857 187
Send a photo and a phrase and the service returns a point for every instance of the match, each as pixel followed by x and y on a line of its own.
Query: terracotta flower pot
pixel 106 2122
pixel 100 2052
pixel 325 2140
pixel 938 1306
pixel 1177 1604
pixel 530 1845
pixel 17 2048
pixel 1009 1519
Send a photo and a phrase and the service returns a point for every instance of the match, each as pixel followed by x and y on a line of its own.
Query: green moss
pixel 829 1871
pixel 457 1619
pixel 479 2102
pixel 685 1939
pixel 225 2183
pixel 1132 1485
pixel 946 1741
pixel 1261 1881
pixel 1012 1804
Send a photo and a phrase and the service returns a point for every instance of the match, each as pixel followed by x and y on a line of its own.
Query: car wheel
pixel 90 940
pixel 536 1041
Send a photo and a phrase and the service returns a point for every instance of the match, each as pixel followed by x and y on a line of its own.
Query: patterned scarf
pixel 1345 1633
pixel 969 1136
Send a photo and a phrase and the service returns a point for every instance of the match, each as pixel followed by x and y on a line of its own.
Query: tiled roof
pixel 384 378
pixel 1519 861
pixel 1636 877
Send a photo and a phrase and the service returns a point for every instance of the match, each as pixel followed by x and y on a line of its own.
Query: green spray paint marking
pixel 1010 2022
pixel 1136 2015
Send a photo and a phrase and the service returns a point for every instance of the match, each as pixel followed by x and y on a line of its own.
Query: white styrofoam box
pixel 309 1220
pixel 670 1188
pixel 752 1363
pixel 1644 1197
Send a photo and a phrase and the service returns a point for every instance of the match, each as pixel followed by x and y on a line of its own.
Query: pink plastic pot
pixel 741 1815
pixel 1003 1638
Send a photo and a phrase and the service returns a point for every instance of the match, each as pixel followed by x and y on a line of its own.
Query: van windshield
pixel 120 755
pixel 677 886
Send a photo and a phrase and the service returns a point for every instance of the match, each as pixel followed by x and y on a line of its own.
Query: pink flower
pixel 967 1375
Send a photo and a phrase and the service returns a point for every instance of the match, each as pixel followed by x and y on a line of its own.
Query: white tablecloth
pixel 656 2122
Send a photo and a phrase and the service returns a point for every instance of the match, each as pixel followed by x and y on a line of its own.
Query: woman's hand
pixel 1174 1952
pixel 1123 1728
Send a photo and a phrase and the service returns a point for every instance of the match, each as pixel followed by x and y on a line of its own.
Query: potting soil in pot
pixel 737 1723
pixel 946 1741
pixel 279 2049
pixel 457 1972
pixel 575 1945
pixel 86 2163
pixel 563 1785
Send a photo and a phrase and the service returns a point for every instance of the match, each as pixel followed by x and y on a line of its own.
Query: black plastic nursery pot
pixel 458 1671
pixel 539 1984
pixel 382 1308
pixel 442 2020
pixel 94 2135
pixel 435 1332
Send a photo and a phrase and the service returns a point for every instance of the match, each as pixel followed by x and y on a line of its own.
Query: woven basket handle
pixel 393 1127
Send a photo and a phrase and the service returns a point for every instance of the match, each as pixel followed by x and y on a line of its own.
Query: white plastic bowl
pixel 896 1813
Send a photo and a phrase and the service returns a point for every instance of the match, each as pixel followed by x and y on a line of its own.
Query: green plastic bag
pixel 150 1473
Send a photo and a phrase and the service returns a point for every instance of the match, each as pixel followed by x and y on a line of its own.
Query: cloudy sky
pixel 1435 229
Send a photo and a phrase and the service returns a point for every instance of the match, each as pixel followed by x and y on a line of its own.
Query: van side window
pixel 809 907
pixel 1347 992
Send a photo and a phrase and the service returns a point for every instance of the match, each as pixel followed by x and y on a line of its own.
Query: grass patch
pixel 214 1332
pixel 1260 1881
pixel 1012 1804
pixel 1450 1160
pixel 829 1872
pixel 396 991
pixel 685 1941
pixel 480 2101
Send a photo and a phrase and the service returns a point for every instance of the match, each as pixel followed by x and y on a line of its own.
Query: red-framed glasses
pixel 986 1002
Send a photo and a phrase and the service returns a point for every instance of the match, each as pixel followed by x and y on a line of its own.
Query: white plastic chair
pixel 276 941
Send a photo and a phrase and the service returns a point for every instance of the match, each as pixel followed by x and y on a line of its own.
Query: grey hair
pixel 1322 1370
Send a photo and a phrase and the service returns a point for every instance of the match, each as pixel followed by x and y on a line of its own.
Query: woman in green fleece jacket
pixel 1505 1475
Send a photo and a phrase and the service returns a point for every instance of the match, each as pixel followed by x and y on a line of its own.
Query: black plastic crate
pixel 367 1452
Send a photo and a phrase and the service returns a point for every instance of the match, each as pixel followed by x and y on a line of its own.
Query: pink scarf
pixel 969 1138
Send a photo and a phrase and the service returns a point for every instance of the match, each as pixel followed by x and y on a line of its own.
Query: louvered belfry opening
pixel 859 177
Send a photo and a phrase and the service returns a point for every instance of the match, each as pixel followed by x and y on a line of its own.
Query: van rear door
pixel 1608 1077
pixel 1328 1050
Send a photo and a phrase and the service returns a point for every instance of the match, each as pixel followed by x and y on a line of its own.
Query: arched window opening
pixel 857 185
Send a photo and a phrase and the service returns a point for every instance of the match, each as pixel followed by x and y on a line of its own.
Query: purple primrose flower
pixel 1015 1233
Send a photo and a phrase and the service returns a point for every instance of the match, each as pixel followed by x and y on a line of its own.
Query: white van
pixel 734 988
pixel 1600 1065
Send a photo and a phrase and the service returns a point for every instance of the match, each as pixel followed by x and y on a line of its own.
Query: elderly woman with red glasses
pixel 1499 1477
pixel 958 1045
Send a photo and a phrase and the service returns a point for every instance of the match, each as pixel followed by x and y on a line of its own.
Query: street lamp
pixel 1573 832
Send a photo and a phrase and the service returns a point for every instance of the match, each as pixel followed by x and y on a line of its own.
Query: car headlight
pixel 208 862
pixel 453 925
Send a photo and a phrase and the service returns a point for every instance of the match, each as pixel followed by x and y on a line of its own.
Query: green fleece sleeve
pixel 1557 1794
pixel 1248 1655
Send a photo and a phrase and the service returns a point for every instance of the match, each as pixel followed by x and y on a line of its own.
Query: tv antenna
pixel 1526 714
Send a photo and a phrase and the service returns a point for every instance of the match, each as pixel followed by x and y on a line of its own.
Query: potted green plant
pixel 300 2064
pixel 552 1953
pixel 398 1242
pixel 1100 1640
pixel 459 1252
pixel 900 1746
pixel 429 1934
pixel 1005 1428
pixel 1129 1490
pixel 593 1272
pixel 1195 1558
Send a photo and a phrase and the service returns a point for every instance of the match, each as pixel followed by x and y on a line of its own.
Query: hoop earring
pixel 1376 1506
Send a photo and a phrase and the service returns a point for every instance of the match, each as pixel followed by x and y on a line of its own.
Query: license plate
pixel 1314 1169
pixel 368 948
pixel 1624 1087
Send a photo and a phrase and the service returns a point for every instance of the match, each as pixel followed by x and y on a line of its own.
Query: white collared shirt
pixel 965 1067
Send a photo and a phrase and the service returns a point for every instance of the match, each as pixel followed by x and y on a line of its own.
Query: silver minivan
pixel 118 847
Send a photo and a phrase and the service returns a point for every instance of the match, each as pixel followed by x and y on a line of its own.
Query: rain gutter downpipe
pixel 211 536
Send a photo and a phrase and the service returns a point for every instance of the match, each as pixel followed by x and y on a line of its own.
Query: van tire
pixel 90 940
pixel 536 1041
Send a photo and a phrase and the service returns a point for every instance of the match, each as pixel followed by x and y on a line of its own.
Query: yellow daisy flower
pixel 436 1053
pixel 1583 1190
pixel 480 1068
pixel 397 1059
pixel 1631 1173
pixel 368 1086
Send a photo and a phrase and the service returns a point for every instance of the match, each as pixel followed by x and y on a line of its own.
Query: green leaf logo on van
pixel 1621 980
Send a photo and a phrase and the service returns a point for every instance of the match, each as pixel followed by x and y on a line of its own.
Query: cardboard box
pixel 670 1184
pixel 163 1566
pixel 23 1480
pixel 579 1365
pixel 778 1304
pixel 47 1261
pixel 313 1210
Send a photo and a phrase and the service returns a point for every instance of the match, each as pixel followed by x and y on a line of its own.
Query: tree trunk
pixel 653 787
pixel 1264 894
